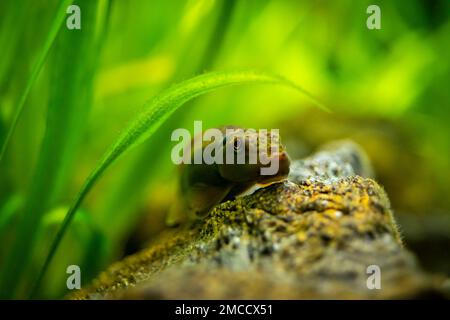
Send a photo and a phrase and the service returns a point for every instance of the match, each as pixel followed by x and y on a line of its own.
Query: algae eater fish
pixel 203 185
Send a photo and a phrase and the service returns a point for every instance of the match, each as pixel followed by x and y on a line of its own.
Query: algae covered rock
pixel 320 234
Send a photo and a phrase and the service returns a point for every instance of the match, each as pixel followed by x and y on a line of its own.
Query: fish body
pixel 202 185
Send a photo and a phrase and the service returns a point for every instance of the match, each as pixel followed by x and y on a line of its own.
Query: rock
pixel 334 161
pixel 313 236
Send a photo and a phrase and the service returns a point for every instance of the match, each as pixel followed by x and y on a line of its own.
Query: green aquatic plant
pixel 68 107
pixel 35 72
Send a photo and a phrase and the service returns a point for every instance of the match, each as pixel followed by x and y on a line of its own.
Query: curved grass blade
pixel 61 11
pixel 71 72
pixel 91 248
pixel 153 114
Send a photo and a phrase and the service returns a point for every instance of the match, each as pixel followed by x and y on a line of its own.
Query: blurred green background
pixel 388 90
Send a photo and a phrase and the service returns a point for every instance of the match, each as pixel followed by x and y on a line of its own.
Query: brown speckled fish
pixel 202 186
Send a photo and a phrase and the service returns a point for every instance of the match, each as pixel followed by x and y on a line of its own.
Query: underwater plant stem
pixel 62 229
pixel 35 72
pixel 69 102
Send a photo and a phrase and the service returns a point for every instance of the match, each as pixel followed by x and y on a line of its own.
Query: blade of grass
pixel 60 15
pixel 71 74
pixel 153 114
pixel 89 250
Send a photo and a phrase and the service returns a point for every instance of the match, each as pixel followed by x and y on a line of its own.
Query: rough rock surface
pixel 312 236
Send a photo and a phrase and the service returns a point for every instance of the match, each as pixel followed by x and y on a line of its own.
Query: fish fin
pixel 202 198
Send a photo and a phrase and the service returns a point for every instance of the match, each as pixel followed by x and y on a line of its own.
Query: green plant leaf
pixel 60 15
pixel 153 114
pixel 90 248
pixel 71 73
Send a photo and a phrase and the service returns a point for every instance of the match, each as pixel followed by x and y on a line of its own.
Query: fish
pixel 201 186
